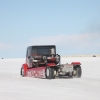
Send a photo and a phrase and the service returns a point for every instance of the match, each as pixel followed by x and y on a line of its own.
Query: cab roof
pixel 41 46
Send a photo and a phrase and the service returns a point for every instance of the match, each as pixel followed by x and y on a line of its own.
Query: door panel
pixel 38 72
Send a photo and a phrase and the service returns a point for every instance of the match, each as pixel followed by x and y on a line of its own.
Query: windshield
pixel 43 50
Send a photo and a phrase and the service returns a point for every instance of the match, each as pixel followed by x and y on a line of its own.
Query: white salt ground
pixel 15 87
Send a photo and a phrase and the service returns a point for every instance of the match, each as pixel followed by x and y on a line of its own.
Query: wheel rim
pixel 55 72
pixel 47 72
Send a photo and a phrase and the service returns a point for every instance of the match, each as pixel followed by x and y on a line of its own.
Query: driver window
pixel 29 52
pixel 34 52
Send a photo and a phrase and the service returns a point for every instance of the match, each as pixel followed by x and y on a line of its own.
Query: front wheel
pixel 77 71
pixel 50 73
pixel 22 72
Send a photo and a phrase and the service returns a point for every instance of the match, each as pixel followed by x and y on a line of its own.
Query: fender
pixel 51 64
pixel 25 67
pixel 76 63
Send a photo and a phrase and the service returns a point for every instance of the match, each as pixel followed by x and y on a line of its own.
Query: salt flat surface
pixel 15 87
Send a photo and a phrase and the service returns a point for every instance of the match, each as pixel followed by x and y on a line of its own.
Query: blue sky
pixel 72 25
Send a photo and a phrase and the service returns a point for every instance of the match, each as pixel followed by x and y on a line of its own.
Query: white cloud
pixel 81 42
pixel 66 43
pixel 86 39
pixel 5 46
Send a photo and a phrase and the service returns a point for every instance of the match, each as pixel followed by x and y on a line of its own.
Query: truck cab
pixel 37 56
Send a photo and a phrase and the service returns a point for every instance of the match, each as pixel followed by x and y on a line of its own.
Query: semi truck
pixel 42 61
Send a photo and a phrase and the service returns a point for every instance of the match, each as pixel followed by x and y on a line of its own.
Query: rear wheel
pixel 77 71
pixel 70 75
pixel 50 73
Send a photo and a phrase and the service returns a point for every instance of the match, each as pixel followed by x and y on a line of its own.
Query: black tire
pixel 50 73
pixel 22 72
pixel 70 75
pixel 78 71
